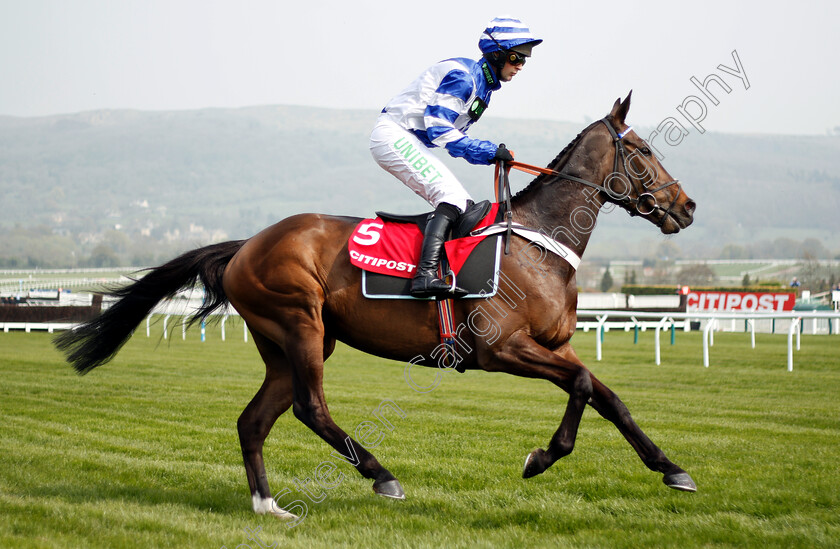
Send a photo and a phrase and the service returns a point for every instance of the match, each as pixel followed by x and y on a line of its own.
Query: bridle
pixel 646 197
pixel 644 205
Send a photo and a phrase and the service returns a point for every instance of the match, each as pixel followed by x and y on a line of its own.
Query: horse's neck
pixel 565 210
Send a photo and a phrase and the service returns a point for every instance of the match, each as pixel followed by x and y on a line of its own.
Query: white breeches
pixel 404 156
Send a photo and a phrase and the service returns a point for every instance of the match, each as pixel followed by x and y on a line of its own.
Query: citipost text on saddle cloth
pixel 387 248
pixel 394 248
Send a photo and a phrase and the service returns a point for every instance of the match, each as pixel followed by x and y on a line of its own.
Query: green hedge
pixel 665 289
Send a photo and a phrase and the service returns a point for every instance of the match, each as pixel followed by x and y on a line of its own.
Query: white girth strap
pixel 534 236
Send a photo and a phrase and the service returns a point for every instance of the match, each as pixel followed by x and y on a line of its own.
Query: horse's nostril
pixel 690 206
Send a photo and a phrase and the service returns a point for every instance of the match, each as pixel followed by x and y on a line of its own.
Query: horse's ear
pixel 620 110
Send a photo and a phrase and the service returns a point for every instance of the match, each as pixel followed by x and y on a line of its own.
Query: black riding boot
pixel 426 282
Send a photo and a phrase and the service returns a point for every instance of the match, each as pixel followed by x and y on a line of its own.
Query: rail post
pixel 706 337
pixel 598 336
pixel 659 327
pixel 794 323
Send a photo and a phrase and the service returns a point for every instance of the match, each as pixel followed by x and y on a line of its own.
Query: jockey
pixel 435 111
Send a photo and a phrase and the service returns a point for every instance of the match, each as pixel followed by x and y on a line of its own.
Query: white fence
pixel 662 321
pixel 183 309
pixel 28 327
pixel 21 287
pixel 795 322
pixel 605 320
pixel 592 300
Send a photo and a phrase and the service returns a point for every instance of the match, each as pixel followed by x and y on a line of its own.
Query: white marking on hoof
pixel 282 514
pixel 527 461
pixel 261 505
pixel 267 506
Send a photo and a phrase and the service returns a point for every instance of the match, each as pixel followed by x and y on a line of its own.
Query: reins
pixel 502 183
pixel 503 192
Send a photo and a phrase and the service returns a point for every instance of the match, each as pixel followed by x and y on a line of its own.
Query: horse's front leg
pixel 520 355
pixel 610 407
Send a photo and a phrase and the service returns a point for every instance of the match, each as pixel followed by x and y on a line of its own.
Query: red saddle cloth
pixel 393 249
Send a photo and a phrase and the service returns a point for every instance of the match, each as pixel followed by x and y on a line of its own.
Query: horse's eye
pixel 645 151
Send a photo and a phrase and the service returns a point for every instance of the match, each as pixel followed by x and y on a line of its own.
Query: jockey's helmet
pixel 507 39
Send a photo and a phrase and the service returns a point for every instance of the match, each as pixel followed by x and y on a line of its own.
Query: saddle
pixel 466 222
pixel 391 255
pixel 390 244
pixel 387 249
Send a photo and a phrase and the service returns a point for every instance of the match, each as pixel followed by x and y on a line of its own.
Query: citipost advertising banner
pixel 741 301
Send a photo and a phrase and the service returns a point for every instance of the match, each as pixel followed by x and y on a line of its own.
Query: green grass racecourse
pixel 143 452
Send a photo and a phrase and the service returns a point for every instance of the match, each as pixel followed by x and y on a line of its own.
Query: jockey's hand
pixel 503 154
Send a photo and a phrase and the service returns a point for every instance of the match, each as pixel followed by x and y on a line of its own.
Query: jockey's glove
pixel 503 154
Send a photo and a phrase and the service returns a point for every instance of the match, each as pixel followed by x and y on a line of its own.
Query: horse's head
pixel 638 181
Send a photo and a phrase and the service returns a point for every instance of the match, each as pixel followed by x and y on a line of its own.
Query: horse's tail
pixel 97 341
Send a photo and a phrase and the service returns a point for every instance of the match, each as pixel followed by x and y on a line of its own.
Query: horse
pixel 294 285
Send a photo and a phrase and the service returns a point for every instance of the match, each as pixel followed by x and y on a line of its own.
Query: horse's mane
pixel 540 178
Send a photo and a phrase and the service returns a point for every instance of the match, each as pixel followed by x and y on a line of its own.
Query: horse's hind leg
pixel 310 407
pixel 274 397
pixel 610 407
pixel 306 347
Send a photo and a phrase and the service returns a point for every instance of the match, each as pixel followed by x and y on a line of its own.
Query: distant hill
pixel 190 177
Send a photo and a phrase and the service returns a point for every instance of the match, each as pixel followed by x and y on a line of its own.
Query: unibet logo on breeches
pixel 416 159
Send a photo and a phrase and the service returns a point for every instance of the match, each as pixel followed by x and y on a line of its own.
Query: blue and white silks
pixel 435 107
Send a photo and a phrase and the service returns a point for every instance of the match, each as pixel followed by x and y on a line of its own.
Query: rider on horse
pixel 435 111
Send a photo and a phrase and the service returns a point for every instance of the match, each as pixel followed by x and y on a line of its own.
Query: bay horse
pixel 294 285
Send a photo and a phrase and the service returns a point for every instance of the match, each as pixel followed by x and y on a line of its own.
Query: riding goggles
pixel 515 58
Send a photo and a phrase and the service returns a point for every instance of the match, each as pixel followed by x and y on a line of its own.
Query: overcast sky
pixel 65 56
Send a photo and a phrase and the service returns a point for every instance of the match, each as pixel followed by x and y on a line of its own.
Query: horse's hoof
pixel 281 514
pixel 267 506
pixel 389 489
pixel 533 464
pixel 680 481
